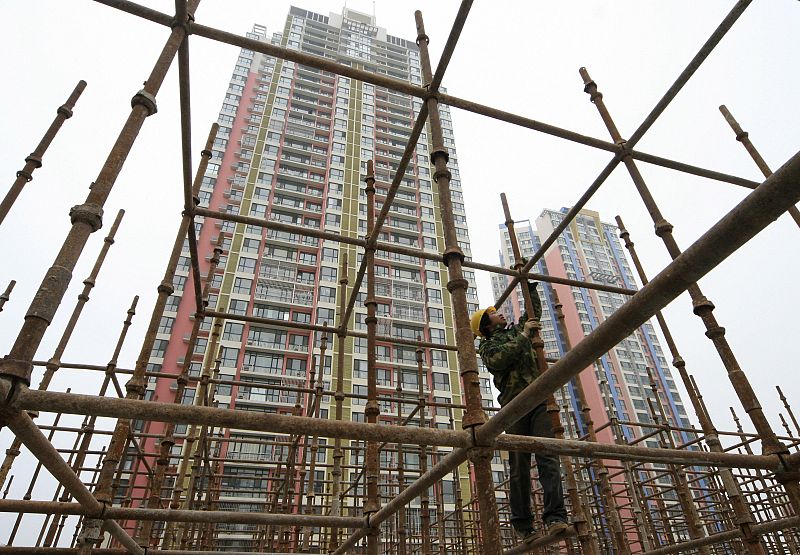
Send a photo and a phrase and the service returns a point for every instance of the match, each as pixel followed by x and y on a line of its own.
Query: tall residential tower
pixel 292 147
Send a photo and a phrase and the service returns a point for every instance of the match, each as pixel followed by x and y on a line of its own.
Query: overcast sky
pixel 522 57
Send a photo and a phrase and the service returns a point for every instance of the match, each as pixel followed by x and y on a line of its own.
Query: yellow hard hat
pixel 475 321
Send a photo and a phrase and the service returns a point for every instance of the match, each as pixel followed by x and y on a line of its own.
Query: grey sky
pixel 522 57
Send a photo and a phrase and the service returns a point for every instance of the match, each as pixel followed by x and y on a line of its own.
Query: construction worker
pixel 507 352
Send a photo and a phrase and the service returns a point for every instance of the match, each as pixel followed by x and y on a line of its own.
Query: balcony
pixel 275 290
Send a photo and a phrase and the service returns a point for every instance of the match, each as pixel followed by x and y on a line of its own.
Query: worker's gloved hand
pixel 528 327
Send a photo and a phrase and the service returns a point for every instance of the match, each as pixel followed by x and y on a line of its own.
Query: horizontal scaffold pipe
pixel 171 515
pixel 420 92
pixel 389 247
pixel 72 403
pixel 113 551
pixel 729 535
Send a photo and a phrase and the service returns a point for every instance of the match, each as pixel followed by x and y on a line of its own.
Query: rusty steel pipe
pixel 703 308
pixel 54 363
pixel 748 218
pixel 621 150
pixel 390 247
pixel 173 515
pixel 34 159
pixel 457 286
pixel 744 137
pixel 6 295
pixel 86 219
pixel 75 403
pixel 372 239
pixel 766 527
pixel 421 92
pixel 729 484
pixel 434 474
pixel 22 425
pixel 580 521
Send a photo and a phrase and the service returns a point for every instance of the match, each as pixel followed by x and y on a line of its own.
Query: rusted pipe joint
pixel 65 111
pixel 45 302
pixel 456 284
pixel 183 24
pixel 453 251
pixel 787 476
pixel 205 153
pixel 421 37
pixel 91 533
pixel 441 173
pixel 165 288
pixel 742 136
pixel 34 159
pixel 702 304
pixel 471 420
pixel 663 226
pixel 168 440
pixel 135 385
pixel 28 177
pixel 89 214
pixel 480 452
pixel 372 408
pixel 716 331
pixel 435 155
pixel 678 362
pixel 623 150
pixel 144 98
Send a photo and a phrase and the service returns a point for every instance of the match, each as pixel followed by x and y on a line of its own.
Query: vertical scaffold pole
pixel 743 515
pixel 481 456
pixel 34 159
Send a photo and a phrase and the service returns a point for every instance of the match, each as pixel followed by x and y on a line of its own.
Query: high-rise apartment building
pixel 292 147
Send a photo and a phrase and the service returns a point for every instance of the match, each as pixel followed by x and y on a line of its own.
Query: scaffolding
pixel 702 490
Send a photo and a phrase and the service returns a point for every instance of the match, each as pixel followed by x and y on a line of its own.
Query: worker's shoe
pixel 556 527
pixel 526 535
pixel 523 528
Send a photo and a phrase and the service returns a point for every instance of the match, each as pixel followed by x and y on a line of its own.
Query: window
pixel 237 306
pixel 325 315
pixel 441 381
pixel 359 368
pixel 233 331
pixel 301 317
pixel 439 358
pixel 159 348
pixel 436 315
pixel 165 325
pixel 434 295
pixel 327 294
pixel 247 265
pixel 330 255
pixel 437 336
pixel 296 367
pixel 242 286
pixel 272 312
pixel 327 273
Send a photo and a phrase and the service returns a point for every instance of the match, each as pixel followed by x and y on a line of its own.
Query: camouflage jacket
pixel 509 355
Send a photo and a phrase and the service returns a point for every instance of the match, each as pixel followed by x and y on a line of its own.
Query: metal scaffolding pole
pixel 34 159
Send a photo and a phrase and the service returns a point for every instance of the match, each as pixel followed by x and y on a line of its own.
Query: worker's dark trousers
pixel 535 423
